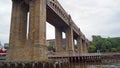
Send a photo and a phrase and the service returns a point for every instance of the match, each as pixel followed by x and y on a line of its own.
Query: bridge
pixel 27 42
pixel 28 30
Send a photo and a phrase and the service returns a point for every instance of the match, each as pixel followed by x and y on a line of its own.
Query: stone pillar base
pixel 27 53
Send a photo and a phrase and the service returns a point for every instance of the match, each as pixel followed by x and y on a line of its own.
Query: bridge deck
pixel 57 16
pixel 54 9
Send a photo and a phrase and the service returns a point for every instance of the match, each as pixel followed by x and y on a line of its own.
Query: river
pixel 94 65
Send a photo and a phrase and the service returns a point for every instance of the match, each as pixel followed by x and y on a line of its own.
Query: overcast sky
pixel 93 17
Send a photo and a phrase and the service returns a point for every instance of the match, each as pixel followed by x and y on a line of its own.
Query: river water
pixel 94 65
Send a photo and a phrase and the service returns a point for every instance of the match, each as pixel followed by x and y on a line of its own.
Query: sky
pixel 93 17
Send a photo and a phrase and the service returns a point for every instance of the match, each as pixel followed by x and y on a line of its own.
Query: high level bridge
pixel 30 40
pixel 28 36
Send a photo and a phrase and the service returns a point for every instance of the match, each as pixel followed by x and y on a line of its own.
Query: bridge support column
pixel 79 43
pixel 69 41
pixel 58 41
pixel 18 30
pixel 36 50
pixel 84 47
pixel 37 30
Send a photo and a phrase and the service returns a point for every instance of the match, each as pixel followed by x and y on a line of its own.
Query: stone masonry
pixel 32 48
pixel 28 30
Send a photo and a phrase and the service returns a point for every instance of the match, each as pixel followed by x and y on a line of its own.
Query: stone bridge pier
pixel 79 44
pixel 58 41
pixel 31 46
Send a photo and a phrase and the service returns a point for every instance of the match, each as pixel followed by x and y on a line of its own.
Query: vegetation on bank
pixel 51 48
pixel 100 44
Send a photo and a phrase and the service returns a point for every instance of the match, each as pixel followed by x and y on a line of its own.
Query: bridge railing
pixel 111 53
pixel 90 54
pixel 67 55
pixel 58 9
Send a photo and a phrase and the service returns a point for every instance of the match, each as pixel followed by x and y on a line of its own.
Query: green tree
pixel 97 40
pixel 51 48
pixel 118 48
pixel 113 50
pixel 104 44
pixel 91 49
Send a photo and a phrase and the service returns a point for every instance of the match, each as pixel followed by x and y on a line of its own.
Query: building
pixel 51 42
pixel 2 53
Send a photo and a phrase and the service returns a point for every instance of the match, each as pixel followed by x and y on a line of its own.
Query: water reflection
pixel 94 65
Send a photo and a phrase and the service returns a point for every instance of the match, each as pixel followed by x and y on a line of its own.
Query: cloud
pixel 5 12
pixel 50 31
pixel 93 17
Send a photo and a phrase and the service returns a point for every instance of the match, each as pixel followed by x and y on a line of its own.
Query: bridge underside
pixel 33 45
pixel 54 19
